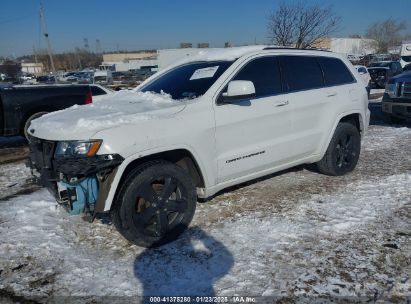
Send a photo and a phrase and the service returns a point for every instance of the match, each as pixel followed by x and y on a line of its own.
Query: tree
pixel 387 33
pixel 300 25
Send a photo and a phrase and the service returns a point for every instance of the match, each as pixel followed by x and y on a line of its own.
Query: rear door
pixel 254 134
pixel 309 102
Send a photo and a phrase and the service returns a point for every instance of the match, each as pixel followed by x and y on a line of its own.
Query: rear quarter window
pixel 335 71
pixel 301 73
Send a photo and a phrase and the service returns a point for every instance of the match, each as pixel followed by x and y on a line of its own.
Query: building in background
pixel 122 62
pixel 114 57
pixel 348 46
pixel 10 68
pixel 32 68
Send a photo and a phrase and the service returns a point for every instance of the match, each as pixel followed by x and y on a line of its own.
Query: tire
pixel 155 204
pixel 28 121
pixel 343 151
pixel 389 119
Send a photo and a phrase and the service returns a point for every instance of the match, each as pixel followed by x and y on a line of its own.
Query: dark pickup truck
pixel 396 102
pixel 19 105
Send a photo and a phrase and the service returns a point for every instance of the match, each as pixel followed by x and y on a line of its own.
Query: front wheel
pixel 155 205
pixel 343 151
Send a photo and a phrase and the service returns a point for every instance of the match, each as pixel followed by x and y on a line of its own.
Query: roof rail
pixel 291 48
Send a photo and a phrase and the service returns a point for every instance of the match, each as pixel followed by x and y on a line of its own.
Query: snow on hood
pixel 123 107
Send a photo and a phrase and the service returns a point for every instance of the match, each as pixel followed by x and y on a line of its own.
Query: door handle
pixel 281 103
pixel 332 94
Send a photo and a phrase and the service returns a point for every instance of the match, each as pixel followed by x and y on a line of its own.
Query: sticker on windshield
pixel 204 73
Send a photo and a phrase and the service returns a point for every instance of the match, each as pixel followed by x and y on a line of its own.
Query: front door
pixel 254 134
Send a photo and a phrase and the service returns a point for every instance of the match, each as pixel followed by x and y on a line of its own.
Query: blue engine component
pixel 82 195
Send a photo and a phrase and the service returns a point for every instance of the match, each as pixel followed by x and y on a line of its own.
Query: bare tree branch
pixel 300 25
pixel 387 33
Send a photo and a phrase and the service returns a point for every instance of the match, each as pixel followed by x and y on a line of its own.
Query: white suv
pixel 217 119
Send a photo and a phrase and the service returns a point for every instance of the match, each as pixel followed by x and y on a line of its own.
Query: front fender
pixel 115 181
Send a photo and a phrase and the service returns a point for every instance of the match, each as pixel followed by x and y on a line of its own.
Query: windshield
pixel 188 81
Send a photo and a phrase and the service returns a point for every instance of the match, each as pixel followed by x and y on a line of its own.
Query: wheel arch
pixel 353 117
pixel 182 157
pixel 33 111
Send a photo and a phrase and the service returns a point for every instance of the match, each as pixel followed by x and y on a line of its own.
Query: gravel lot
pixel 294 234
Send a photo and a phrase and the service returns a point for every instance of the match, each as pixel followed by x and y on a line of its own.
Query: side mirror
pixel 239 89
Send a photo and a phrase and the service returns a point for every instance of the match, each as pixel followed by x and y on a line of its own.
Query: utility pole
pixel 46 36
pixel 35 54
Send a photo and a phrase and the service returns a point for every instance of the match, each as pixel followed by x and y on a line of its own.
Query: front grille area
pixel 41 153
pixel 41 156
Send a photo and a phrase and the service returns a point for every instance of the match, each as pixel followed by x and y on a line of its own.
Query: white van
pixel 405 53
pixel 103 77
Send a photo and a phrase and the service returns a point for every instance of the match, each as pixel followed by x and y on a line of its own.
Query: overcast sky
pixel 154 24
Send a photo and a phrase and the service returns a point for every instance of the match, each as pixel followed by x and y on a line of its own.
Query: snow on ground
pixel 295 233
pixel 13 178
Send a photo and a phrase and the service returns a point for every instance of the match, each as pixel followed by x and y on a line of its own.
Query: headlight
pixel 77 148
pixel 391 89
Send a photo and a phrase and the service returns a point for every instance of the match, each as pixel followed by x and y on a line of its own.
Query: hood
pixel 404 76
pixel 123 107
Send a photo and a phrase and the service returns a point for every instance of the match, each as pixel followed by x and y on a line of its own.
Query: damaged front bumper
pixel 81 184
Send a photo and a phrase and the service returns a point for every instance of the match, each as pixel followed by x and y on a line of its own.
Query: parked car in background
pixel 20 104
pixel 46 79
pixel 103 77
pixel 26 77
pixel 396 102
pixel 405 53
pixel 365 76
pixel 217 120
pixel 99 92
pixel 71 79
pixel 380 72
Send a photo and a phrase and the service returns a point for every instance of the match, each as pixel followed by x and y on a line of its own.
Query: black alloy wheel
pixel 343 151
pixel 160 205
pixel 156 203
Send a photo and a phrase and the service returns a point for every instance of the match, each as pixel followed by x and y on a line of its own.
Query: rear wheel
pixel 343 151
pixel 28 122
pixel 155 204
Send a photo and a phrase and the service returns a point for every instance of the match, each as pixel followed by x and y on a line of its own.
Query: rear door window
pixel 301 73
pixel 264 72
pixel 335 71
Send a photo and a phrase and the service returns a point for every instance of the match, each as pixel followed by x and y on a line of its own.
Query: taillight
pixel 89 98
